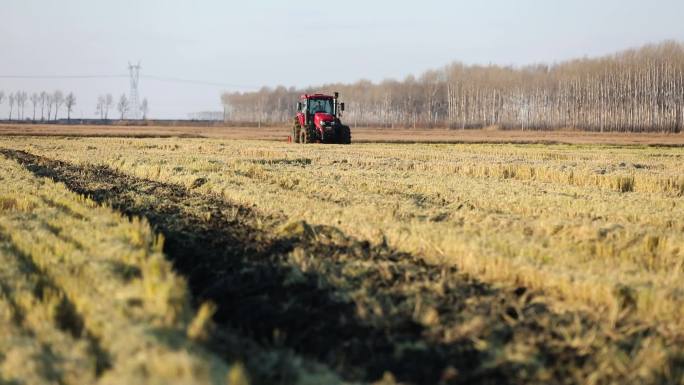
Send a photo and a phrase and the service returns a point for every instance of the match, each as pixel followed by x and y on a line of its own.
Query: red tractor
pixel 318 120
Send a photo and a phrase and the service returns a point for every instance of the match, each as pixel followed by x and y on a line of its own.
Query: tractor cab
pixel 318 107
pixel 323 105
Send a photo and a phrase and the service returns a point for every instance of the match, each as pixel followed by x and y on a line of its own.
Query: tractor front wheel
pixel 327 137
pixel 307 135
pixel 344 135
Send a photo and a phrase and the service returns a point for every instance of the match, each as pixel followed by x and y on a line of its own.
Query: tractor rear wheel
pixel 295 131
pixel 295 134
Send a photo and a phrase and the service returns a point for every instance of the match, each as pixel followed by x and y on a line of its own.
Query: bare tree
pixel 2 97
pixel 70 102
pixel 144 108
pixel 57 100
pixel 43 102
pixel 225 101
pixel 12 100
pixel 48 103
pixel 100 107
pixel 109 102
pixel 21 97
pixel 122 106
pixel 35 100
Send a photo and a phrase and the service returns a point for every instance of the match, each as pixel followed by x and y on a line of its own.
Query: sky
pixel 243 45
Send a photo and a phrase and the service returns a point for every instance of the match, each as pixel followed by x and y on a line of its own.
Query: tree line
pixel 47 106
pixel 635 90
pixel 123 106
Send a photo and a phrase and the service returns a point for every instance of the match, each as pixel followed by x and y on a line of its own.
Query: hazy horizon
pixel 245 45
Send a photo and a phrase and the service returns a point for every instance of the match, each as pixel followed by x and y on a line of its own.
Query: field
pixel 216 260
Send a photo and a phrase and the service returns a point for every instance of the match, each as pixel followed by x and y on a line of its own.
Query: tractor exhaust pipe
pixel 335 97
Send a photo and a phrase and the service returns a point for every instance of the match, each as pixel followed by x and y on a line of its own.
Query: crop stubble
pixel 359 307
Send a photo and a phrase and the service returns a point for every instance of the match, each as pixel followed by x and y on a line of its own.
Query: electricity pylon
pixel 134 107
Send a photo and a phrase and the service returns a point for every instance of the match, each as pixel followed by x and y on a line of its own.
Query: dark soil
pixel 362 309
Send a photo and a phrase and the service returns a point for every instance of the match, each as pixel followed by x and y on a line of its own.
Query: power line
pixel 198 82
pixel 62 76
pixel 148 77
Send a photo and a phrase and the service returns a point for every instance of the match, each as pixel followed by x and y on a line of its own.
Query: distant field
pixel 421 263
pixel 359 134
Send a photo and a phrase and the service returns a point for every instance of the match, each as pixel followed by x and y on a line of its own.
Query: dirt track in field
pixel 359 308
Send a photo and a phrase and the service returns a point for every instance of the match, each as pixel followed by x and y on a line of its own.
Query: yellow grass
pixel 86 296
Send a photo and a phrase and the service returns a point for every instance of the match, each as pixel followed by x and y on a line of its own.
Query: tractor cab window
pixel 320 105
